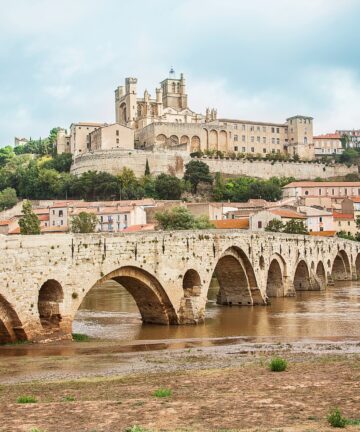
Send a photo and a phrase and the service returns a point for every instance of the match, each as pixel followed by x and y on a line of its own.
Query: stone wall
pixel 173 162
pixel 45 278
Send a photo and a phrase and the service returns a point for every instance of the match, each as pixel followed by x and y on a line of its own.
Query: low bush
pixel 336 419
pixel 26 399
pixel 278 364
pixel 162 393
pixel 78 337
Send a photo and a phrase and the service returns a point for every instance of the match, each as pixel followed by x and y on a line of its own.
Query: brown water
pixel 109 312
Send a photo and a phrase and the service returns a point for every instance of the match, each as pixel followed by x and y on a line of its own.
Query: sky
pixel 266 60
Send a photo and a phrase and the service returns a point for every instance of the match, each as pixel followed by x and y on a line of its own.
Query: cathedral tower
pixel 174 91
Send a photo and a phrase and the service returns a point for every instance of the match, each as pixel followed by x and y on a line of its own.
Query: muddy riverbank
pixel 214 388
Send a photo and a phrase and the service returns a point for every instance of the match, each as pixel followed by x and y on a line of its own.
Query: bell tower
pixel 125 103
pixel 174 91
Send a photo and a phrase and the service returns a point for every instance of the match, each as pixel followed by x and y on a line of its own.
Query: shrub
pixel 278 364
pixel 136 429
pixel 336 419
pixel 68 399
pixel 162 393
pixel 78 337
pixel 26 399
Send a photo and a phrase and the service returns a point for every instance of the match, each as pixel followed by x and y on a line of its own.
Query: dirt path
pixel 212 390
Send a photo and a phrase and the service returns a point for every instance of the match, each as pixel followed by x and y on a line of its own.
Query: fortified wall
pixel 113 161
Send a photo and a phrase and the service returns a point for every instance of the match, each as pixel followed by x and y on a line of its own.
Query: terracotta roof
pixel 4 222
pixel 289 214
pixel 338 215
pixel 135 228
pixel 44 217
pixel 321 184
pixel 355 199
pixel 323 233
pixel 15 231
pixel 328 136
pixel 231 223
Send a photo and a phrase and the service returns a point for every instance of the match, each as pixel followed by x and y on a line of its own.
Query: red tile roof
pixel 338 215
pixel 4 222
pixel 328 136
pixel 135 228
pixel 44 217
pixel 231 223
pixel 323 233
pixel 288 214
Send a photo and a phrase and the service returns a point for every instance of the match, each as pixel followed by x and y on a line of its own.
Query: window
pixel 273 140
pixel 243 150
pixel 252 149
pixel 61 213
pixel 345 191
pixel 243 127
pixel 272 130
pixel 264 150
pixel 321 228
pixel 252 139
pixel 235 126
pixel 251 128
pixel 306 192
pixel 236 148
pixel 61 222
pixel 349 223
pixel 339 223
pixel 235 137
pixel 117 140
pixel 277 140
pixel 258 128
pixel 117 133
pixel 243 138
pixel 101 219
pixel 53 223
pixel 277 130
pixel 264 128
pixel 258 139
pixel 53 212
pixel 125 217
pixel 320 219
pixel 264 140
pixel 333 191
pixel 319 191
pixel 259 224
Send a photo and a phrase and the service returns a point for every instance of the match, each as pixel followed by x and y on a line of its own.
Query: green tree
pixel 345 235
pixel 147 168
pixel 179 218
pixel 29 223
pixel 60 163
pixel 8 198
pixel 84 223
pixel 167 187
pixel 6 153
pixel 195 172
pixel 275 225
pixel 295 226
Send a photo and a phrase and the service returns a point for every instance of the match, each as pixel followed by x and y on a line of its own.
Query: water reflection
pixel 109 312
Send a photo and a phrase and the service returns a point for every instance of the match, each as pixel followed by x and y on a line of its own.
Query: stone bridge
pixel 44 279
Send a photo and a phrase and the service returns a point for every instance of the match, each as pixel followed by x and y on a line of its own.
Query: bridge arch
pixel 341 269
pixel 152 301
pixel 357 265
pixel 50 296
pixel 236 278
pixel 191 283
pixel 275 278
pixel 302 277
pixel 11 329
pixel 321 274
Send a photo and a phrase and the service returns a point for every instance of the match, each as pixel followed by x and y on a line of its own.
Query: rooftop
pixel 328 136
pixel 338 215
pixel 288 214
pixel 231 223
pixel 321 184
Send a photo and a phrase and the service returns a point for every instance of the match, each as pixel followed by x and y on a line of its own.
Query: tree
pixel 294 226
pixel 8 198
pixel 345 235
pixel 275 225
pixel 6 153
pixel 179 218
pixel 147 168
pixel 357 222
pixel 195 172
pixel 167 187
pixel 84 223
pixel 29 223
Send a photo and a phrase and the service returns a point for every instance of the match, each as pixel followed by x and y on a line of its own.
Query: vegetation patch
pixel 26 399
pixel 79 337
pixel 278 364
pixel 337 420
pixel 162 393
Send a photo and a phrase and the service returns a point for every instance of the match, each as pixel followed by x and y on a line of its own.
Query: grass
pixel 26 399
pixel 36 430
pixel 79 337
pixel 162 393
pixel 337 420
pixel 278 364
pixel 68 399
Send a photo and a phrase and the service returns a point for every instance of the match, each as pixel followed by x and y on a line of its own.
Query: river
pixel 109 312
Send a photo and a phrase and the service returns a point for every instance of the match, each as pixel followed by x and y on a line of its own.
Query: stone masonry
pixel 45 278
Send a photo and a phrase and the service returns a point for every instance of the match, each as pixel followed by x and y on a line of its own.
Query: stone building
pixel 327 145
pixel 110 137
pixel 322 189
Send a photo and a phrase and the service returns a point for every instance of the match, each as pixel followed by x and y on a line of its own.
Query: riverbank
pixel 225 387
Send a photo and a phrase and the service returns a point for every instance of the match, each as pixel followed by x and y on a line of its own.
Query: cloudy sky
pixel 60 61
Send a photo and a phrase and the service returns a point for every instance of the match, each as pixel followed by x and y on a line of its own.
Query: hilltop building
pixel 166 123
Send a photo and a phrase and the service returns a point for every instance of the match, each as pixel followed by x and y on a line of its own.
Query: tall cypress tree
pixel 147 168
pixel 29 223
